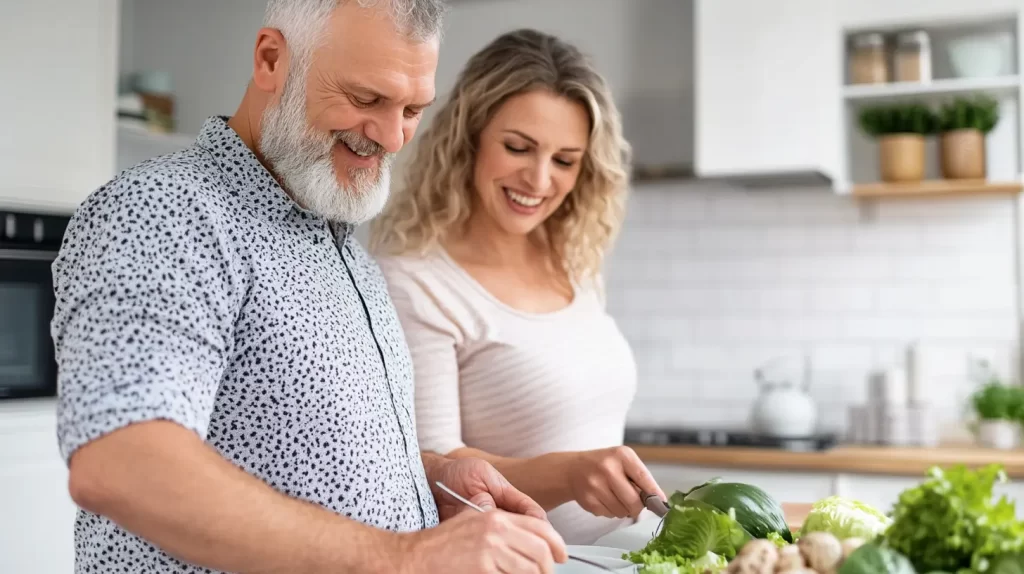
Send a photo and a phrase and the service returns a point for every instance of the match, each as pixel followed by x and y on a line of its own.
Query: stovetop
pixel 726 437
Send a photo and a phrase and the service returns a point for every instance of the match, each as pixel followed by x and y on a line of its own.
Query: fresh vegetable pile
pixel 949 523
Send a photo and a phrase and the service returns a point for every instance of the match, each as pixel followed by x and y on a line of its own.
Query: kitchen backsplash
pixel 708 283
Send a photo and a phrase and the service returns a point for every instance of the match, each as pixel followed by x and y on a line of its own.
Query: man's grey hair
pixel 302 22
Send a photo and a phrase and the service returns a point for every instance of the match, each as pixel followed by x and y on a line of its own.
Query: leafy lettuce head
pixel 845 518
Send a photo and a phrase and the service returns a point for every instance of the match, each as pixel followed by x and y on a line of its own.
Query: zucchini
pixel 756 511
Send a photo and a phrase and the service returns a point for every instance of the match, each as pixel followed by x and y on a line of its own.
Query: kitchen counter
pixel 854 459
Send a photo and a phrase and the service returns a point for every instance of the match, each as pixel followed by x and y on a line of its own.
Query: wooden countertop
pixel 858 459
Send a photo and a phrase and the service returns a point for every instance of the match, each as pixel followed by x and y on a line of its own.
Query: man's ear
pixel 270 60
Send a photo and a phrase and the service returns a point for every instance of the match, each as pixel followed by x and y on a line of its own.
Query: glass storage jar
pixel 913 57
pixel 868 61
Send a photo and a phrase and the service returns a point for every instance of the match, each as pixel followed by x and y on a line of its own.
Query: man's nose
pixel 387 130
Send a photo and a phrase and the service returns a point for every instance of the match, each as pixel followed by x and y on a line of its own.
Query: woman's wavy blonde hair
pixel 436 195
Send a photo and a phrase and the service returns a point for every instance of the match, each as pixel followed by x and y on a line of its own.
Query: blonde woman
pixel 493 252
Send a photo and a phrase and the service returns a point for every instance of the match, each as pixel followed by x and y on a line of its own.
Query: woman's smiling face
pixel 528 160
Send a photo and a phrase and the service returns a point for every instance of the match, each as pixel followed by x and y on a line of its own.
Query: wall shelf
pixel 939 187
pixel 948 86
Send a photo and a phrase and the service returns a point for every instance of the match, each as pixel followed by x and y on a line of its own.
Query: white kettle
pixel 783 408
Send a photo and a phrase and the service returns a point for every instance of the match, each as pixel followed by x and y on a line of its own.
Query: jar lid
pixel 869 40
pixel 915 38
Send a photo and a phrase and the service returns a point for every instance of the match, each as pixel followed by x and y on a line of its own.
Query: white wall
pixel 710 283
pixel 707 282
pixel 206 46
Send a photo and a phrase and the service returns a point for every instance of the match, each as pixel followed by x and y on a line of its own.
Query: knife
pixel 652 502
pixel 655 504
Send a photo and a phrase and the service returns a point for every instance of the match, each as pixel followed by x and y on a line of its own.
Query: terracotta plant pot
pixel 901 157
pixel 963 154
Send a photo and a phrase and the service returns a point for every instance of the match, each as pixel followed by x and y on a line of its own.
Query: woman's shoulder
pixel 410 265
pixel 420 274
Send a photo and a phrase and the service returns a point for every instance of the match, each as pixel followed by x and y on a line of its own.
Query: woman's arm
pixel 541 478
pixel 601 481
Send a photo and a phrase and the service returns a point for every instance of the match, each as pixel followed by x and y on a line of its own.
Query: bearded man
pixel 235 391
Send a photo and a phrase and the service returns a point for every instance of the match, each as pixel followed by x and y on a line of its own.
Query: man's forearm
pixel 159 481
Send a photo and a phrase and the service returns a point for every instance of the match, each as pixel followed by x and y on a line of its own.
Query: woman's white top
pixel 508 382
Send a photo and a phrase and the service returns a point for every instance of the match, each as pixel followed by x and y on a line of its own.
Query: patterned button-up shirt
pixel 191 288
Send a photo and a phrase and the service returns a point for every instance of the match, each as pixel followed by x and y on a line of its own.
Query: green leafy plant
pixel 905 118
pixel 995 399
pixel 980 112
pixel 952 521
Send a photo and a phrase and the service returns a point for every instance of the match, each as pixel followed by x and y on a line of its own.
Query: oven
pixel 28 245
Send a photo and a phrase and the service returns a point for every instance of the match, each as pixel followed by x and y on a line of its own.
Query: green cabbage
pixel 845 518
pixel 872 558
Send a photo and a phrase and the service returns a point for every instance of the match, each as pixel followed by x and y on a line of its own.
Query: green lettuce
pixel 694 537
pixel 953 522
pixel 845 518
pixel 656 563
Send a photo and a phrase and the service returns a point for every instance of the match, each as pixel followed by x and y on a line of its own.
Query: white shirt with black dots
pixel 191 288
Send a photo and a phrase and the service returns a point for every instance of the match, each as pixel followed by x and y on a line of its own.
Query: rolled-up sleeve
pixel 143 322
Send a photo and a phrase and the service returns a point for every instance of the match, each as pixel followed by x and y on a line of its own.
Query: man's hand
pixel 479 482
pixel 494 542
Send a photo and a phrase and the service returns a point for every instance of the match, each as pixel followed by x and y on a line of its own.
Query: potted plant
pixel 900 130
pixel 963 124
pixel 999 408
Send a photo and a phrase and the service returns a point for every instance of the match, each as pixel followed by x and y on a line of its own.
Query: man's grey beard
pixel 301 157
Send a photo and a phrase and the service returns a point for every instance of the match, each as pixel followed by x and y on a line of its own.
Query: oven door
pixel 27 364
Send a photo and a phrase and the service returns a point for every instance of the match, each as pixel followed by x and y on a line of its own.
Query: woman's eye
pixel 514 149
pixel 565 162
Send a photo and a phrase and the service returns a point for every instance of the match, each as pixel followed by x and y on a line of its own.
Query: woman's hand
pixel 600 482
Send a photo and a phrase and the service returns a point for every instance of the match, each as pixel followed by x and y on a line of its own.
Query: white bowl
pixel 980 56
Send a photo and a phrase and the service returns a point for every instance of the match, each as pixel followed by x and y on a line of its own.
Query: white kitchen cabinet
pixel 859 14
pixel 36 512
pixel 57 141
pixel 767 87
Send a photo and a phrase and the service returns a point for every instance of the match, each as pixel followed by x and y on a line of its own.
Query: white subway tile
pixel 943 208
pixel 993 235
pixel 699 357
pixel 981 297
pixel 887 238
pixel 824 238
pixel 841 300
pixel 840 356
pixel 739 206
pixel 917 297
pixel 816 206
pixel 710 283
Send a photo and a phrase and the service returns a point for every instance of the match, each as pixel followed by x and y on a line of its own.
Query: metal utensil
pixel 652 502
pixel 463 500
pixel 655 504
